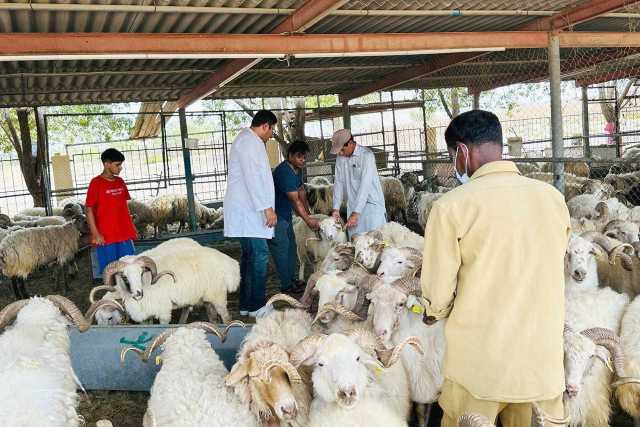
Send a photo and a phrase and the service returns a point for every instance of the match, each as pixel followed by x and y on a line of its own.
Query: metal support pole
pixel 396 153
pixel 186 155
pixel 557 144
pixel 42 142
pixel 346 115
pixel 427 170
pixel 322 141
pixel 384 137
pixel 476 101
pixel 585 122
pixel 618 137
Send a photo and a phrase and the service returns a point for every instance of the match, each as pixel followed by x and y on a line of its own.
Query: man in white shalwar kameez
pixel 249 209
pixel 357 180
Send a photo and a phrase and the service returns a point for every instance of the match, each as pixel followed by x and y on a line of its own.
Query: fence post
pixel 346 115
pixel 585 122
pixel 43 144
pixel 427 170
pixel 396 153
pixel 476 100
pixel 557 143
pixel 186 155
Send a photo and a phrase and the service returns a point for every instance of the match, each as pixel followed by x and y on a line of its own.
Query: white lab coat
pixel 357 180
pixel 249 188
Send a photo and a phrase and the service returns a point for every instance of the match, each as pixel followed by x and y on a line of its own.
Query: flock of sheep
pixel 354 350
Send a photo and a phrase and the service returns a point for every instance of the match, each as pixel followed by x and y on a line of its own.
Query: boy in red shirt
pixel 112 230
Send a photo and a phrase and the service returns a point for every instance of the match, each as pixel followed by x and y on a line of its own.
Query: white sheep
pixel 141 213
pixel 425 203
pixel 350 383
pixel 394 199
pixel 24 251
pixel 396 314
pixel 624 231
pixel 588 306
pixel 264 378
pixel 339 258
pixel 314 246
pixel 583 206
pixel 39 211
pixel 189 390
pixel 628 393
pixel 400 236
pixel 397 263
pixel 192 275
pixel 170 208
pixel 37 382
pixel 320 197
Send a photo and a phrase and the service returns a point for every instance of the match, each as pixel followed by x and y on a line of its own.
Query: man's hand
pixel 272 218
pixel 336 215
pixel 313 224
pixel 353 220
pixel 98 239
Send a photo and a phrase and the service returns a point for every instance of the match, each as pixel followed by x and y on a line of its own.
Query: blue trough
pixel 95 355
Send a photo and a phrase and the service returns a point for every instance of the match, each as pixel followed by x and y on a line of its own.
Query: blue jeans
pixel 253 272
pixel 113 252
pixel 283 251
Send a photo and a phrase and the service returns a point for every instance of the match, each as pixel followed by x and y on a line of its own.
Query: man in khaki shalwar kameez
pixel 493 267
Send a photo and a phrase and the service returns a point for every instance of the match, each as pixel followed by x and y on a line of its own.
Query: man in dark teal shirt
pixel 290 196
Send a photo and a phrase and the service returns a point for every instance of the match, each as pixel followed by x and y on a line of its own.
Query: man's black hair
pixel 111 155
pixel 297 147
pixel 262 117
pixel 474 127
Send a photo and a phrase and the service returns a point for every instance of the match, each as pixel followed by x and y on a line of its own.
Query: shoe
pixel 262 312
pixel 244 312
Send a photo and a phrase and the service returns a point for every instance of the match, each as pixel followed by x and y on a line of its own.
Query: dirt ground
pixel 126 409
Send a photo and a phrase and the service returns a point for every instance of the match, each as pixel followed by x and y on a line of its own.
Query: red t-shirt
pixel 108 200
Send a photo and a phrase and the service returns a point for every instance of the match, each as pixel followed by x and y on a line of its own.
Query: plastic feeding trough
pixel 95 355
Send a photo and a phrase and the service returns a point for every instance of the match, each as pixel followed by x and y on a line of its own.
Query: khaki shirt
pixel 494 265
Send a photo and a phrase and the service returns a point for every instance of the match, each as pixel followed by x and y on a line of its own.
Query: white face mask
pixel 464 178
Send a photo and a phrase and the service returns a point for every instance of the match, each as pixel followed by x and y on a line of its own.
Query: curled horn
pixel 541 418
pixel 11 311
pixel 338 309
pixel 124 351
pixel 107 288
pixel 474 420
pixel 91 312
pixel 306 348
pixel 66 306
pixel 609 340
pixel 160 339
pixel 232 324
pixel 111 270
pixel 288 299
pixel 287 367
pixel 210 328
pixel 409 285
pixel 365 339
pixel 151 265
pixel 390 356
pixel 619 252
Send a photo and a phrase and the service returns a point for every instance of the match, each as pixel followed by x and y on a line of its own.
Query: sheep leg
pixel 214 310
pixel 22 290
pixel 184 315
pixel 15 288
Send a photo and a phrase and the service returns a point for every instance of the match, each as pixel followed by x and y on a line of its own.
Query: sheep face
pixel 580 262
pixel 580 354
pixel 388 304
pixel 369 247
pixel 396 263
pixel 131 279
pixel 342 370
pixel 339 258
pixel 625 231
pixel 334 289
pixel 332 231
pixel 108 316
pixel 269 386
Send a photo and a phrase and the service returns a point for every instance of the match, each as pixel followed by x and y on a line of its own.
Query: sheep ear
pixel 237 374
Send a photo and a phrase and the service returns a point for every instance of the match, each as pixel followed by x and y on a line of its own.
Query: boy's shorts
pixel 113 252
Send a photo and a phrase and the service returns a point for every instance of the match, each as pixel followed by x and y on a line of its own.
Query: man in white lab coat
pixel 357 180
pixel 249 209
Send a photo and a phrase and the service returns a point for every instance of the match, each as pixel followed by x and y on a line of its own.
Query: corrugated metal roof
pixel 60 82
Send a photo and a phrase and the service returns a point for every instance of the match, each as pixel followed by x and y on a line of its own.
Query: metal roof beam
pixel 575 15
pixel 308 14
pixel 588 10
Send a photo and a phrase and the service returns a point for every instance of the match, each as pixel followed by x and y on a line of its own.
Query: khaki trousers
pixel 456 401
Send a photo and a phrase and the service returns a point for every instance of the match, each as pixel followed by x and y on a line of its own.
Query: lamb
pixel 170 208
pixel 396 313
pixel 624 231
pixel 38 385
pixel 397 263
pixel 368 249
pixel 347 392
pixel 264 378
pixel 409 182
pixel 192 275
pixel 588 306
pixel 37 221
pixel 339 258
pixel 400 236
pixel 314 247
pixel 348 289
pixel 394 199
pixel 189 390
pixel 24 251
pixel 583 206
pixel 320 198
